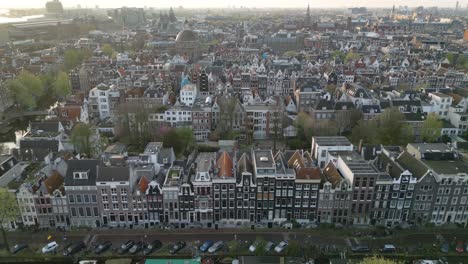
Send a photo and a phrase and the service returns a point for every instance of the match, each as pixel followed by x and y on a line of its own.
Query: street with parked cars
pixel 140 243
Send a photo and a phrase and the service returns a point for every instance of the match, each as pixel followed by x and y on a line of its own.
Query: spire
pixel 307 18
pixel 172 17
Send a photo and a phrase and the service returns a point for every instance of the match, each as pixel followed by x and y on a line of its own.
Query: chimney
pixel 360 146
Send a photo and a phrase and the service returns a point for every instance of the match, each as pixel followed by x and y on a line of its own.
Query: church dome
pixel 186 35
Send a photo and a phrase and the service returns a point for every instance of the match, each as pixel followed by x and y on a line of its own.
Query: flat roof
pixel 263 158
pixel 427 147
pixel 447 166
pixel 332 141
pixel 205 160
pixel 173 177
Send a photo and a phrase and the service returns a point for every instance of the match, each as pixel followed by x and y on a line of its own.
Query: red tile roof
pixel 308 174
pixel 225 165
pixel 53 182
pixel 143 184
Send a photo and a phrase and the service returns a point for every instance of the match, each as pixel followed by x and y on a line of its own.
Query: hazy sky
pixel 237 3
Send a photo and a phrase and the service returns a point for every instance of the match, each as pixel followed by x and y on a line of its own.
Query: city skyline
pixel 244 3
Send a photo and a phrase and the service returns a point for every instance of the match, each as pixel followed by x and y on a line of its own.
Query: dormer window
pixel 165 160
pixel 80 175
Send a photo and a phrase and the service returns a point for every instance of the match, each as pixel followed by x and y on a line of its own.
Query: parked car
pixel 17 248
pixel 126 247
pixel 253 247
pixel 281 246
pixel 444 248
pixel 388 248
pixel 460 246
pixel 50 247
pixel 216 246
pixel 104 246
pixel 206 245
pixel 151 247
pixel 177 247
pixel 269 245
pixel 74 248
pixel 360 249
pixel 137 247
pixel 88 262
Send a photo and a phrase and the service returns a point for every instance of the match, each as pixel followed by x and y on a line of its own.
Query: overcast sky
pixel 237 3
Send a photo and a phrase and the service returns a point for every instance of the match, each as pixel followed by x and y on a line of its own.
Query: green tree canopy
pixel 26 89
pixel 74 57
pixel 392 129
pixel 62 85
pixel 458 60
pixel 71 59
pixel 388 128
pixel 304 126
pixel 9 211
pixel 431 128
pixel 338 54
pixel 107 50
pixel 290 53
pixel 377 260
pixel 350 56
pixel 81 137
pixel 181 139
pixel 365 131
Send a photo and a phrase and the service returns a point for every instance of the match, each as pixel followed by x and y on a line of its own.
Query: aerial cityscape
pixel 248 132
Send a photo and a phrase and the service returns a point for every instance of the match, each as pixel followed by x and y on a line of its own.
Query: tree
pixel 181 139
pixel 139 43
pixel 331 88
pixel 9 211
pixel 451 58
pixel 365 131
pixel 227 107
pixel 304 127
pixel 81 137
pixel 107 50
pixel 185 135
pixel 338 54
pixel 346 119
pixel 392 129
pixel 26 89
pixel 278 119
pixel 62 86
pixel 134 127
pixel 378 260
pixel 351 56
pixel 71 59
pixel 290 53
pixel 465 135
pixel 431 128
pixel 74 57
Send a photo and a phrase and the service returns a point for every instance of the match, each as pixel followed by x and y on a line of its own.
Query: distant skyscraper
pixel 307 18
pixel 457 5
